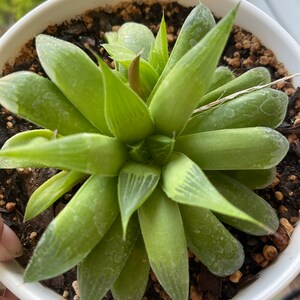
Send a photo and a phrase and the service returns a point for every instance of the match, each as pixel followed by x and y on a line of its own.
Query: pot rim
pixel 272 281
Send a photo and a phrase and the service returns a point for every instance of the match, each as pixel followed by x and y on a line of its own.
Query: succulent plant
pixel 160 170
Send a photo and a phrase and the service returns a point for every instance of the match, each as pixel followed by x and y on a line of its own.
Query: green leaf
pixel 111 37
pixel 76 230
pixel 221 76
pixel 76 75
pixel 234 149
pixel 266 107
pixel 132 281
pixel 124 56
pixel 50 191
pixel 136 37
pixel 39 101
pixel 127 115
pixel 211 242
pixel 197 24
pixel 136 183
pixel 134 74
pixel 247 201
pixel 139 152
pixel 184 182
pixel 251 78
pixel 195 27
pixel 167 250
pixel 253 179
pixel 101 268
pixel 31 137
pixel 121 76
pixel 85 152
pixel 177 96
pixel 160 148
pixel 159 53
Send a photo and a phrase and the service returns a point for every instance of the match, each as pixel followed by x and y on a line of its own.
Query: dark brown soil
pixel 242 53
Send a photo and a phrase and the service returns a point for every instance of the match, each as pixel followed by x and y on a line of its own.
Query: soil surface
pixel 243 52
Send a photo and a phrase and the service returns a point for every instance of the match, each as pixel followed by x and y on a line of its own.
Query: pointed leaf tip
pixel 167 249
pixel 126 114
pixel 177 96
pixel 136 183
pixel 76 76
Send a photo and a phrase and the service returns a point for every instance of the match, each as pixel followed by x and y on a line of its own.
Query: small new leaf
pixel 127 115
pixel 50 191
pixel 123 56
pixel 134 75
pixel 159 53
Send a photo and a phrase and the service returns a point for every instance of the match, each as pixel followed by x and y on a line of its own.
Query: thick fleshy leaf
pixel 165 243
pixel 177 96
pixel 247 201
pixel 254 77
pixel 31 137
pixel 184 182
pixel 253 179
pixel 160 147
pixel 141 84
pixel 76 75
pixel 266 107
pixel 39 101
pixel 50 191
pixel 197 24
pixel 139 152
pixel 124 56
pixel 111 37
pixel 101 268
pixel 85 152
pixel 134 75
pixel 136 183
pixel 221 76
pixel 76 230
pixel 211 242
pixel 159 53
pixel 137 38
pixel 234 149
pixel 132 281
pixel 127 115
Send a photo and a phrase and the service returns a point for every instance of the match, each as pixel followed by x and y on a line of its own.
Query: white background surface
pixel 285 12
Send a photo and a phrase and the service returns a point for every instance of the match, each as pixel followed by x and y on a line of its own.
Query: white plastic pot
pixel 271 280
